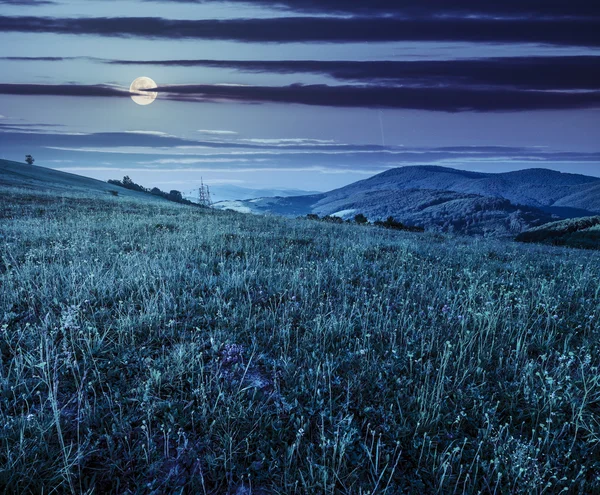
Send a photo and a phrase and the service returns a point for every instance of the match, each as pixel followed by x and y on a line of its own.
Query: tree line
pixel 172 195
pixel 360 219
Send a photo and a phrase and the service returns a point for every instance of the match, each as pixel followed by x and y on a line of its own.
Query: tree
pixel 29 159
pixel 361 219
pixel 175 196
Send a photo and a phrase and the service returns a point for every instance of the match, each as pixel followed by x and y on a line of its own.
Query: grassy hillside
pixel 579 233
pixel 32 177
pixel 148 348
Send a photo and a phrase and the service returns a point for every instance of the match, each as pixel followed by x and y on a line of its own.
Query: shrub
pixel 361 219
pixel 390 223
pixel 175 196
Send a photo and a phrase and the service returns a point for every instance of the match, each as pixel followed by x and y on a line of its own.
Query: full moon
pixel 143 97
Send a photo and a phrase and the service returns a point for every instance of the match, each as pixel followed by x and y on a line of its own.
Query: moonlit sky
pixel 301 94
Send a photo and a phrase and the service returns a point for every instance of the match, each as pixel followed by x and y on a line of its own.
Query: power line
pixel 204 198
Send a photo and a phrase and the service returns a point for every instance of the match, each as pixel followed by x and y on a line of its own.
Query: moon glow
pixel 143 97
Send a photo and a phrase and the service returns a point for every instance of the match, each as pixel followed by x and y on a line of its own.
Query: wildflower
pixel 232 354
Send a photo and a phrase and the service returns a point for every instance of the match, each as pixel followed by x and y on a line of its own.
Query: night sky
pixel 310 94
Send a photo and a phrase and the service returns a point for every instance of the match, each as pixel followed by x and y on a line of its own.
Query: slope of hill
pixel 587 199
pixel 444 210
pixel 579 233
pixel 22 175
pixel 187 351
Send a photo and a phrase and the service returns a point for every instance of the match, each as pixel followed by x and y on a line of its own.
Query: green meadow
pixel 164 349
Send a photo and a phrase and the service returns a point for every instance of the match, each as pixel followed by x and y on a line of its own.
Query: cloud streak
pixel 544 73
pixel 549 72
pixel 175 149
pixel 39 59
pixel 61 90
pixel 575 72
pixel 429 7
pixel 27 3
pixel 11 135
pixel 443 98
pixel 576 31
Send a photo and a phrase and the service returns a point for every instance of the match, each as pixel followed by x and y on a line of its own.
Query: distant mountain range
pixel 449 199
pixel 227 192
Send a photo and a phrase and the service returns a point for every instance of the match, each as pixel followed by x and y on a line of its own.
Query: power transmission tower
pixel 204 195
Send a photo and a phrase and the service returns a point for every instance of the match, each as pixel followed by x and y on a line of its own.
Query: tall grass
pixel 162 349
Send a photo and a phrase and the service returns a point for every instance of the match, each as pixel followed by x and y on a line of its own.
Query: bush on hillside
pixel 332 219
pixel 390 223
pixel 361 219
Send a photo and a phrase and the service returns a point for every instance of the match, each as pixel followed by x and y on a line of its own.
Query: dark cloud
pixel 27 3
pixel 37 59
pixel 446 99
pixel 580 32
pixel 99 139
pixel 20 127
pixel 84 150
pixel 443 98
pixel 582 72
pixel 60 90
pixel 11 135
pixel 555 72
pixel 428 7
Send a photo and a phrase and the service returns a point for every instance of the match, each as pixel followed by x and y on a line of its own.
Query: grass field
pixel 149 348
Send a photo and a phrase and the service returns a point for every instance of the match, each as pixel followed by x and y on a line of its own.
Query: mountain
pixel 231 192
pixel 542 188
pixel 441 210
pixel 445 210
pixel 448 199
pixel 575 232
pixel 228 193
pixel 22 175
